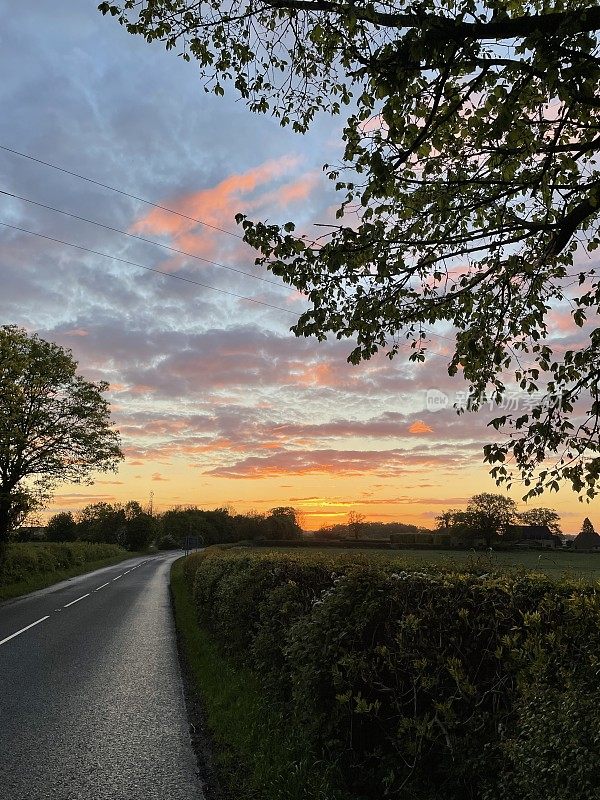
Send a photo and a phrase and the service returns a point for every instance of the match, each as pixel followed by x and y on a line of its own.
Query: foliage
pixel 23 560
pixel 487 515
pixel 139 526
pixel 545 761
pixel 101 522
pixel 281 523
pixel 54 425
pixel 491 513
pixel 124 524
pixel 167 542
pixel 542 516
pixel 587 526
pixel 208 526
pixel 220 526
pixel 551 752
pixel 369 530
pixel 415 684
pixel 61 527
pixel 356 523
pixel 258 753
pixel 469 174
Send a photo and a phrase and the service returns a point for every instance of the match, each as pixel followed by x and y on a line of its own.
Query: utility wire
pixel 119 191
pixel 154 205
pixel 161 272
pixel 148 269
pixel 138 238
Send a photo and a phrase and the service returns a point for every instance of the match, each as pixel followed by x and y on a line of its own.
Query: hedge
pixel 429 684
pixel 24 560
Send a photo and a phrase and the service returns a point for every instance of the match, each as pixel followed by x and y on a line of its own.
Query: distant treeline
pixel 367 530
pixel 132 526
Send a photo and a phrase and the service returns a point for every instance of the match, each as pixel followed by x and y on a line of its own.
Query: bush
pixel 167 542
pixel 422 685
pixel 24 560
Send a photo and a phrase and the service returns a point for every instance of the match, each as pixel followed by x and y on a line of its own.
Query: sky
pixel 216 400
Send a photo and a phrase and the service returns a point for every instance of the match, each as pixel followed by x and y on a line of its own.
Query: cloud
pixel 204 214
pixel 418 426
pixel 390 463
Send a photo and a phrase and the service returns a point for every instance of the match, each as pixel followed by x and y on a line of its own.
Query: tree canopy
pixel 542 516
pixel 487 514
pixel 54 425
pixel 587 526
pixel 469 176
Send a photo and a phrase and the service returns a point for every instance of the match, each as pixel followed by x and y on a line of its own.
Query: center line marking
pixel 101 587
pixel 26 628
pixel 117 578
pixel 76 601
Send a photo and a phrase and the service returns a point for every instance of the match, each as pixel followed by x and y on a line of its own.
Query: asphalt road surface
pixel 91 702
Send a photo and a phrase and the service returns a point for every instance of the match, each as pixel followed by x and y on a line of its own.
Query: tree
pixel 487 514
pixel 61 528
pixel 54 425
pixel 282 523
pixel 587 526
pixel 447 518
pixel 102 522
pixel 356 523
pixel 469 176
pixel 491 513
pixel 139 526
pixel 542 516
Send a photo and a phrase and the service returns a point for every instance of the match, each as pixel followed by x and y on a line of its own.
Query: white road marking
pixel 127 571
pixel 117 578
pixel 76 601
pixel 101 587
pixel 26 628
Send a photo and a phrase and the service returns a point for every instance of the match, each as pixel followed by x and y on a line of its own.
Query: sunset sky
pixel 217 402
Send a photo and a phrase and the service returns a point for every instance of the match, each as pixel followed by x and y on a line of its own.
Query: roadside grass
pixel 257 753
pixel 43 579
pixel 553 563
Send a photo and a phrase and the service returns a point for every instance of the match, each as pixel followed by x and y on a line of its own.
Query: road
pixel 91 701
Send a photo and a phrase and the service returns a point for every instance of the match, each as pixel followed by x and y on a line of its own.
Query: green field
pixel 553 563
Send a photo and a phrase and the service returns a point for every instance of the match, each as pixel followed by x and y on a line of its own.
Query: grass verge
pixel 257 753
pixel 41 580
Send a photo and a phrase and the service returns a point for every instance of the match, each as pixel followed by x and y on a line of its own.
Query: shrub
pixel 422 685
pixel 24 560
pixel 167 542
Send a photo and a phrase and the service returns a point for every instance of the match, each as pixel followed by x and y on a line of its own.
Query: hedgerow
pixel 428 684
pixel 24 560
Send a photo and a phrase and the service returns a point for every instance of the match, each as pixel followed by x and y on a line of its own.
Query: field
pixel 553 563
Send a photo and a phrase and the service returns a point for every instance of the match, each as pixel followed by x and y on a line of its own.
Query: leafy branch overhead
pixel 468 181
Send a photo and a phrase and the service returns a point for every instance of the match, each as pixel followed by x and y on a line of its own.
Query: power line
pixel 161 272
pixel 148 269
pixel 119 191
pixel 149 203
pixel 138 238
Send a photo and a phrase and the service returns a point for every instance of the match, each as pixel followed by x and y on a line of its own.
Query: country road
pixel 91 702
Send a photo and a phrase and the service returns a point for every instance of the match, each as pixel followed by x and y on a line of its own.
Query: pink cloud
pixel 342 463
pixel 418 426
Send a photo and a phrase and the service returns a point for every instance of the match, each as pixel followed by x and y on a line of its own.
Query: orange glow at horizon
pixel 322 498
